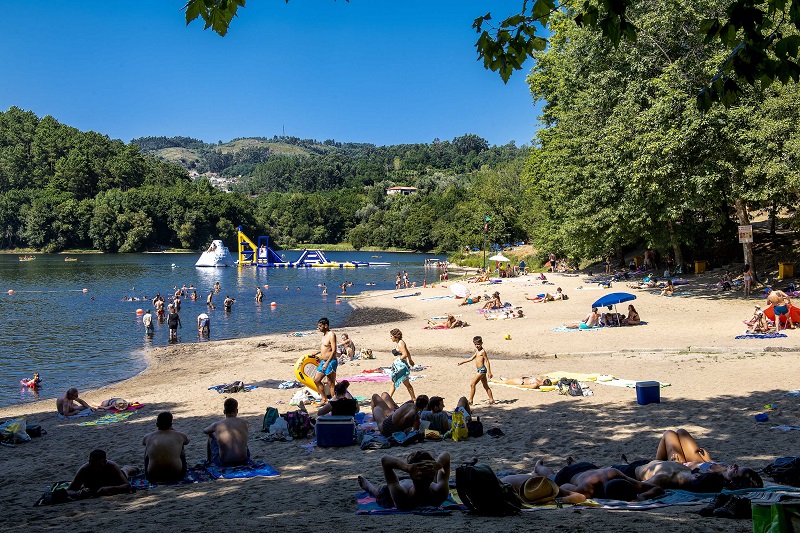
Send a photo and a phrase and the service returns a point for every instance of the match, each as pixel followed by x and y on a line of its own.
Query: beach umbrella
pixel 459 290
pixel 614 298
pixel 500 257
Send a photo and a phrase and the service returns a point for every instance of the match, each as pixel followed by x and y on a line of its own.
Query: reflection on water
pixel 89 339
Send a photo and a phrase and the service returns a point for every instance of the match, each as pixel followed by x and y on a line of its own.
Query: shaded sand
pixel 718 384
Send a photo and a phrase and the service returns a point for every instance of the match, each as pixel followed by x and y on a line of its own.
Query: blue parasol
pixel 614 298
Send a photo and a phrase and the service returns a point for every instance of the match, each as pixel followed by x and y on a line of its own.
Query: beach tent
pixel 794 313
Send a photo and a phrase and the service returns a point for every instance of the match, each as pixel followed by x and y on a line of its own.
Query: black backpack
pixel 785 470
pixel 475 428
pixel 483 493
pixel 570 386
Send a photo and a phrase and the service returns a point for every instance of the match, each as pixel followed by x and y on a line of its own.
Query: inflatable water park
pixel 260 254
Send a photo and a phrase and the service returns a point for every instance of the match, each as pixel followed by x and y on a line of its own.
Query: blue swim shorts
pixel 481 370
pixel 331 367
pixel 781 310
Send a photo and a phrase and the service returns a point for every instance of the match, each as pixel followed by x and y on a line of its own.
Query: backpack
pixel 483 493
pixel 570 387
pixel 269 418
pixel 475 428
pixel 299 424
pixel 459 428
pixel 785 470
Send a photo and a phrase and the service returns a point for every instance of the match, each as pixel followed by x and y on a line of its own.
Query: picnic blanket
pixel 111 418
pixel 368 505
pixel 196 474
pixel 251 469
pixel 770 335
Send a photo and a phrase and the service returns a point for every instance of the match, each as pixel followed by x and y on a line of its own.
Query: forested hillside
pixel 61 188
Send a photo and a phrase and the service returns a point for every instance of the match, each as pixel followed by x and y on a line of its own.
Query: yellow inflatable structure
pixel 304 370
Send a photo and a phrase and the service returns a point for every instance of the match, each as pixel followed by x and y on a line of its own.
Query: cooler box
pixel 647 392
pixel 699 267
pixel 334 431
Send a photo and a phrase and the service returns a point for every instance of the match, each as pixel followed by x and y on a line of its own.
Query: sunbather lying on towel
pixel 450 323
pixel 591 320
pixel 673 475
pixel 526 381
pixel 471 300
pixel 681 447
pixel 594 482
pixel 428 486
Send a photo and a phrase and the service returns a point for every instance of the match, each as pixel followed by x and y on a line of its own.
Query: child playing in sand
pixel 484 370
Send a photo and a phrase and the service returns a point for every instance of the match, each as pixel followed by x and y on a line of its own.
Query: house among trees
pixel 405 191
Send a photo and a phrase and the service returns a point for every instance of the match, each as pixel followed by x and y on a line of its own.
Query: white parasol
pixel 500 257
pixel 459 290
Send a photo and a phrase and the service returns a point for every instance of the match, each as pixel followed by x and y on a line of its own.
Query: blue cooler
pixel 333 431
pixel 648 392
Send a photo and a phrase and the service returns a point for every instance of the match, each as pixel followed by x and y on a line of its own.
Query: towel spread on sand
pixel 300 333
pixel 251 469
pixel 770 335
pixel 786 428
pixel 373 378
pixel 597 378
pixel 197 474
pixel 132 407
pixel 429 298
pixel 85 412
pixel 368 505
pixel 566 329
pixel 111 418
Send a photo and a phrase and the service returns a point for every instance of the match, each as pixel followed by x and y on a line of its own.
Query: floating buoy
pixel 85 290
pixel 266 286
pixel 10 291
pixel 139 311
pixel 338 301
pixel 273 304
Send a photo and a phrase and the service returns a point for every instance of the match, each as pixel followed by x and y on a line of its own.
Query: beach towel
pixel 222 388
pixel 196 474
pixel 770 335
pixel 547 388
pixel 429 298
pixel 251 469
pixel 597 378
pixel 368 505
pixel 300 333
pixel 786 428
pixel 407 295
pixel 566 329
pixel 111 418
pixel 367 378
pixel 85 412
pixel 438 326
pixel 131 407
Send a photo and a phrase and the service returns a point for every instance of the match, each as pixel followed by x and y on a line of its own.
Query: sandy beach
pixel 717 385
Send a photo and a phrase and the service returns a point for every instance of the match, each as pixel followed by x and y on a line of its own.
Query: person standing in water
pixel 147 320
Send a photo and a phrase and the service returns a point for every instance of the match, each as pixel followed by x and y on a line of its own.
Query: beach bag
pixel 269 418
pixel 570 387
pixel 279 428
pixel 459 428
pixel 374 441
pixel 475 428
pixel 34 430
pixel 483 493
pixel 299 424
pixel 236 386
pixel 13 431
pixel 785 470
pixel 399 372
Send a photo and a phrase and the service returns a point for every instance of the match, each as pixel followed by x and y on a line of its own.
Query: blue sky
pixel 364 71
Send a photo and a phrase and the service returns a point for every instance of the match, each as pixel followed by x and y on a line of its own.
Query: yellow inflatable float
pixel 304 370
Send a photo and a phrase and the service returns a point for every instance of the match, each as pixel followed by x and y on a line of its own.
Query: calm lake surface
pixel 93 338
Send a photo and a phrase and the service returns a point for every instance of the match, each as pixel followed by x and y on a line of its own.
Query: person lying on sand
pixel 428 485
pixel 595 482
pixel 680 446
pixel 591 320
pixel 450 323
pixel 100 477
pixel 518 481
pixel 391 418
pixel 164 456
pixel 65 404
pixel 471 300
pixel 673 475
pixel 526 381
pixel 227 439
pixel 113 403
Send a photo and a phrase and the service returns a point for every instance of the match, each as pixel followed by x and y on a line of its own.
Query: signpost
pixel 746 234
pixel 485 233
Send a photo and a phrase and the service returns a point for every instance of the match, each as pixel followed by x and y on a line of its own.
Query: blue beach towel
pixel 251 469
pixel 770 335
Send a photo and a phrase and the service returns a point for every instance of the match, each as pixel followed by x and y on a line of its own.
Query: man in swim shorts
pixel 673 475
pixel 227 439
pixel 147 320
pixel 428 484
pixel 392 418
pixel 65 404
pixel 164 457
pixel 594 482
pixel 780 304
pixel 328 361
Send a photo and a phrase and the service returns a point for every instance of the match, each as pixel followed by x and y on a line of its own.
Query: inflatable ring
pixel 304 370
pixel 29 383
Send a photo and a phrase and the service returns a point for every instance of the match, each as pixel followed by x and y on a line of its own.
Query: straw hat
pixel 539 490
pixel 120 404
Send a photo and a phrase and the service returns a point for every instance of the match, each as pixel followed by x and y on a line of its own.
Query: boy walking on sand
pixel 484 370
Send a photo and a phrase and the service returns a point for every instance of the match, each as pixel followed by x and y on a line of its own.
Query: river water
pixel 69 322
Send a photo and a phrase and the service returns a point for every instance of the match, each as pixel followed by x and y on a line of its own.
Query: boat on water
pixel 70 259
pixel 217 255
pixel 27 257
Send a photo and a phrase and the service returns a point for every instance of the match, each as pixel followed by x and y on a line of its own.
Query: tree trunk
pixel 747 247
pixel 676 246
pixel 773 214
